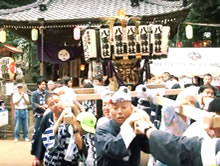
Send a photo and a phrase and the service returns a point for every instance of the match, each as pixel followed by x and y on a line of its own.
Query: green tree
pixel 28 61
pixel 205 12
pixel 8 4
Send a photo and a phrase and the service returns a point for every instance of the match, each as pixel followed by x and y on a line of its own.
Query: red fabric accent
pixel 12 67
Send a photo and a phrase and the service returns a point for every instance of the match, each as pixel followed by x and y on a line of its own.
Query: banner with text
pixel 189 62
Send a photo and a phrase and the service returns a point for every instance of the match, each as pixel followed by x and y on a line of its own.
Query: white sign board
pixel 9 88
pixel 3 118
pixel 189 62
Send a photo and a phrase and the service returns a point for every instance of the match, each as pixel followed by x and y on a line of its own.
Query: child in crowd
pixel 87 122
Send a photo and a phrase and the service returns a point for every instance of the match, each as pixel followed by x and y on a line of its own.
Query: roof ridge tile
pixel 177 3
pixel 87 9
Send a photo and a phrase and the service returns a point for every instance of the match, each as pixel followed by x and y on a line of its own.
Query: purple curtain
pixel 51 52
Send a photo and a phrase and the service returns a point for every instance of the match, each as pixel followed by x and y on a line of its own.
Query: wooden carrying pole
pixel 88 93
pixel 150 86
pixel 189 111
pixel 84 90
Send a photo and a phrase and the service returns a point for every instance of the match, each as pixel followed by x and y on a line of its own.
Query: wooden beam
pixel 84 90
pixel 164 101
pixel 198 114
pixel 192 112
pixel 166 92
pixel 189 111
pixel 92 90
pixel 150 86
pixel 172 91
pixel 41 68
pixel 154 86
pixel 216 122
pixel 88 93
pixel 94 96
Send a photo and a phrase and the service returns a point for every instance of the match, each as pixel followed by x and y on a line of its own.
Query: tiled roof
pixel 87 9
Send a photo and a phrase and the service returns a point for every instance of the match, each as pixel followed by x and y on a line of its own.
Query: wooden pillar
pixel 41 30
pixel 12 112
pixel 41 68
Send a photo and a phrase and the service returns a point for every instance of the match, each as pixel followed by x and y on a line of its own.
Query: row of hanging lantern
pixel 76 33
pixel 105 34
pixel 35 32
pixel 147 40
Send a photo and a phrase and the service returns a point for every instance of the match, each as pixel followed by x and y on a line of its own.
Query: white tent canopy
pixel 189 62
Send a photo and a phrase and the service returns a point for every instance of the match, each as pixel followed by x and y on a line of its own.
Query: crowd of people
pixel 114 130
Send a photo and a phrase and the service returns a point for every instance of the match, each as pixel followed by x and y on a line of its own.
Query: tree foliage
pixel 27 62
pixel 205 12
pixel 8 4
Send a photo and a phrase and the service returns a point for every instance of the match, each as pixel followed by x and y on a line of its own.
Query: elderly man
pixel 115 141
pixel 21 101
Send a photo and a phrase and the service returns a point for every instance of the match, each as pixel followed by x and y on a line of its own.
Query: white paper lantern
pixel 3 36
pixel 189 31
pixel 89 44
pixel 165 39
pixel 34 34
pixel 131 36
pixel 118 40
pixel 76 33
pixel 144 39
pixel 105 43
pixel 156 39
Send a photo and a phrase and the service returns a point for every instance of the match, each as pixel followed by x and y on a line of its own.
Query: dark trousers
pixel 37 121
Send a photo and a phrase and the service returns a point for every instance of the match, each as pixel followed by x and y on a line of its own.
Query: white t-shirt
pixel 101 121
pixel 21 104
